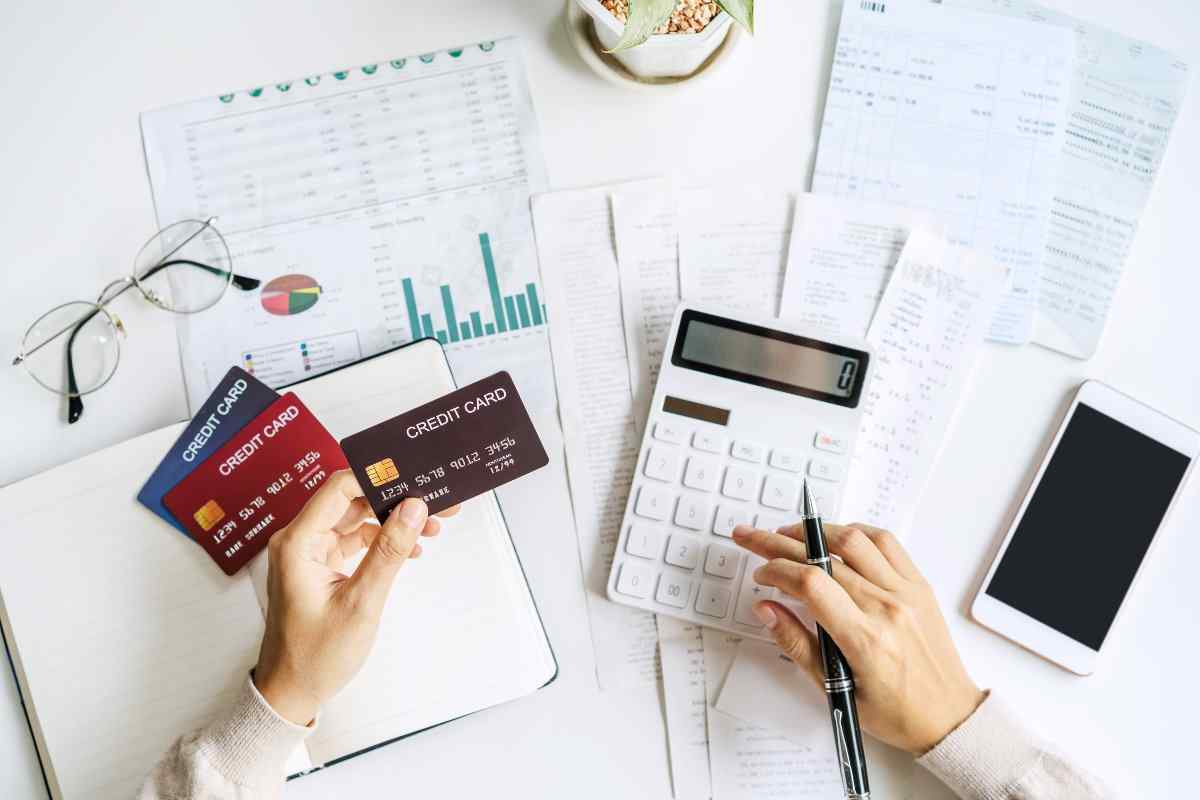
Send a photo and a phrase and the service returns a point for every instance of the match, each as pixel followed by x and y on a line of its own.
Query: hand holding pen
pixel 910 684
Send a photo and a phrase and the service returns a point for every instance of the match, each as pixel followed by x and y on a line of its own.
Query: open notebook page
pixel 125 634
pixel 460 632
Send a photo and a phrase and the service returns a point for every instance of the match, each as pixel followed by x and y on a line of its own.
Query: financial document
pixel 591 373
pixel 647 239
pixel 925 340
pixel 681 646
pixel 733 244
pixel 749 762
pixel 376 205
pixel 1124 99
pixel 958 113
pixel 842 254
pixel 764 689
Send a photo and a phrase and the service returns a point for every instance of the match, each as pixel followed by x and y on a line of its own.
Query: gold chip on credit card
pixel 209 514
pixel 383 471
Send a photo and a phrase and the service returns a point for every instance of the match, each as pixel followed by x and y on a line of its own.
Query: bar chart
pixel 511 312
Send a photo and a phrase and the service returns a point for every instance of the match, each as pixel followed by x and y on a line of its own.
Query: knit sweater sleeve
pixel 992 756
pixel 241 755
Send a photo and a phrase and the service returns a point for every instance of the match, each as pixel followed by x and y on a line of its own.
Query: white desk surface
pixel 77 206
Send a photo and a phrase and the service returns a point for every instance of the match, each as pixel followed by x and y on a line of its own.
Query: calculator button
pixel 713 600
pixel 749 594
pixel 644 541
pixel 635 581
pixel 670 432
pixel 781 493
pixel 827 503
pixel 830 443
pixel 748 451
pixel 740 483
pixel 673 591
pixel 710 442
pixel 824 470
pixel 729 517
pixel 771 522
pixel 702 474
pixel 787 460
pixel 693 512
pixel 722 561
pixel 683 551
pixel 662 464
pixel 654 503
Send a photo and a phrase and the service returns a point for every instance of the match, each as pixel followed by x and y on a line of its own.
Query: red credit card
pixel 256 483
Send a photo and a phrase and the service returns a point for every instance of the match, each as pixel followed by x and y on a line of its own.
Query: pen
pixel 839 680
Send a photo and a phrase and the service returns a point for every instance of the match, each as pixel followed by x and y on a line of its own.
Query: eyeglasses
pixel 74 349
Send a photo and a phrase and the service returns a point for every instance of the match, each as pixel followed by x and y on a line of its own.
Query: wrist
pixel 967 701
pixel 285 696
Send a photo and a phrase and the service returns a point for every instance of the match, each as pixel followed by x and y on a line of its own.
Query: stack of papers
pixel 979 176
pixel 616 261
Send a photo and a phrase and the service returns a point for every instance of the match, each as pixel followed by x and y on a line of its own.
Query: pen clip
pixel 843 748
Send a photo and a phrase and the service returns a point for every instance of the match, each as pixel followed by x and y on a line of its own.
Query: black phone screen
pixel 1088 526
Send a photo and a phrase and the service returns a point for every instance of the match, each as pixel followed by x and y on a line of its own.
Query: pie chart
pixel 290 294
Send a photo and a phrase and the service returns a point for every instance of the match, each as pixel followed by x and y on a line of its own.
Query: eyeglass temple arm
pixel 74 401
pixel 240 281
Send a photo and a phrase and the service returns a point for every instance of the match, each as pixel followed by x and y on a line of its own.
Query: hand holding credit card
pixel 447 451
pixel 256 483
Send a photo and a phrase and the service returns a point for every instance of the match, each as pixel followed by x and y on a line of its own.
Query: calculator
pixel 744 410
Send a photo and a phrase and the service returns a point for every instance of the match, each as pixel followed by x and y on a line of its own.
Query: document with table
pixel 377 205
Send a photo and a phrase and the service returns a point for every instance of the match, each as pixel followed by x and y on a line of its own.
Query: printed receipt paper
pixel 256 483
pixel 449 450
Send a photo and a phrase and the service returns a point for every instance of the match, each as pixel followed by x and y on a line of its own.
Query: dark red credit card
pixel 256 483
pixel 449 450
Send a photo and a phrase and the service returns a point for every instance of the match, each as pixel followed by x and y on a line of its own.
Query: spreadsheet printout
pixel 376 205
pixel 1125 97
pixel 960 114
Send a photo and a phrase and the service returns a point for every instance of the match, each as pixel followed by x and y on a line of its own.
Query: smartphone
pixel 1096 506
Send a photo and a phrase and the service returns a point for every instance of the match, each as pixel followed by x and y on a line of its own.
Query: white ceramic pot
pixel 674 55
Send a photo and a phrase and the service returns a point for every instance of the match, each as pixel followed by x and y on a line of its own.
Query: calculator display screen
pixel 770 358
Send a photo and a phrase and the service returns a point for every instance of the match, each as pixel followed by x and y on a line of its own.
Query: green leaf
pixel 741 10
pixel 644 17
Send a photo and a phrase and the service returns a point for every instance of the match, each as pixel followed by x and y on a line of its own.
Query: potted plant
pixel 665 38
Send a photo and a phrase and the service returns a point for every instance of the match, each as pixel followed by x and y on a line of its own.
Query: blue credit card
pixel 238 398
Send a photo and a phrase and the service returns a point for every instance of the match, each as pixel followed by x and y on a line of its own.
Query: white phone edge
pixel 1028 632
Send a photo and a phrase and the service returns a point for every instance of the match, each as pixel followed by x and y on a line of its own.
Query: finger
pixel 326 508
pixel 352 543
pixel 796 641
pixel 416 551
pixel 449 512
pixel 432 527
pixel 892 550
pixel 853 546
pixel 775 545
pixel 358 512
pixel 390 549
pixel 830 604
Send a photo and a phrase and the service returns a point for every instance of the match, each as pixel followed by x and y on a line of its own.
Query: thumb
pixel 391 548
pixel 796 641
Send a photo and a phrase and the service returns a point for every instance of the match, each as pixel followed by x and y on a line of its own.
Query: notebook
pixel 124 635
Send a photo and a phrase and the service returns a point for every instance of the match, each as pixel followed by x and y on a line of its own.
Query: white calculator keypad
pixel 695 484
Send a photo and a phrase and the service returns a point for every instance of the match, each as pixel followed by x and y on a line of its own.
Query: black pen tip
pixel 809 508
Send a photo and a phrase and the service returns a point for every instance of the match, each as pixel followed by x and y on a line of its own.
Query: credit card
pixel 256 483
pixel 447 451
pixel 238 398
